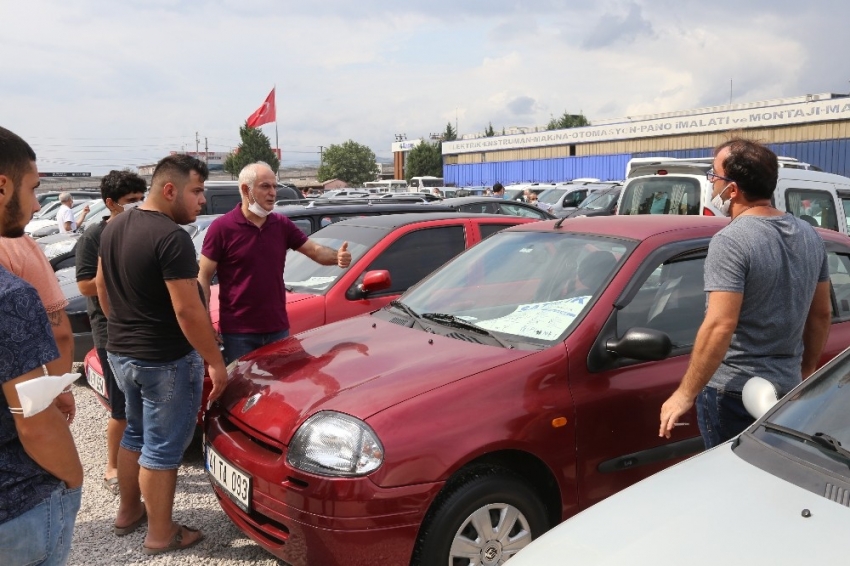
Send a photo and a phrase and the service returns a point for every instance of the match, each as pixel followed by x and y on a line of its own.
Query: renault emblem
pixel 252 400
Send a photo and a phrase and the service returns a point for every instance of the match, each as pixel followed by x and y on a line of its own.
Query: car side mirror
pixel 644 344
pixel 373 281
pixel 759 395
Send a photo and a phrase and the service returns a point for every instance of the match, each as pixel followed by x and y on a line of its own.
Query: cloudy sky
pixel 95 85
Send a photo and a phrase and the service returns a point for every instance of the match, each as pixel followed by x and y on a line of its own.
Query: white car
pixel 777 494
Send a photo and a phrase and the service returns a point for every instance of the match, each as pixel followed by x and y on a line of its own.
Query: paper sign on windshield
pixel 545 321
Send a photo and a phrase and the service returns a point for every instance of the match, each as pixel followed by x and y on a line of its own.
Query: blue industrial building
pixel 814 129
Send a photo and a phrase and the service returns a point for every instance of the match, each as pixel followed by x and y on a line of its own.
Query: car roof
pixel 391 221
pixel 632 227
pixel 386 207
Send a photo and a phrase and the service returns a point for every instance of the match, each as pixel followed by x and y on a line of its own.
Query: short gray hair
pixel 248 175
pixel 65 197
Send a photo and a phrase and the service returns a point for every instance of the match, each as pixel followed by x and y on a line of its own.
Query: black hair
pixel 117 184
pixel 752 166
pixel 16 156
pixel 498 187
pixel 178 167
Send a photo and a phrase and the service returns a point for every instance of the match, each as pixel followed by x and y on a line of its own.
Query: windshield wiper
pixel 821 439
pixel 288 288
pixel 404 308
pixel 457 322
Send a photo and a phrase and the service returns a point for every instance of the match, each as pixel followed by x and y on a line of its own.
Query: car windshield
pixel 599 200
pixel 303 275
pixel 526 287
pixel 820 411
pixel 550 196
pixel 661 195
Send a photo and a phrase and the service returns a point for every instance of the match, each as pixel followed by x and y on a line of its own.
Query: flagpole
pixel 276 142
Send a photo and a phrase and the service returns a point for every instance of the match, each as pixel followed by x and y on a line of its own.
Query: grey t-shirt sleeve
pixel 824 269
pixel 725 265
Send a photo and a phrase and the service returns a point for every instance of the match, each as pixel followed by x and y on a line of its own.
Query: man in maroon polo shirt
pixel 247 247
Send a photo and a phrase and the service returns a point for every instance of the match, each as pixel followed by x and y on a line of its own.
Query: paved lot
pixel 195 505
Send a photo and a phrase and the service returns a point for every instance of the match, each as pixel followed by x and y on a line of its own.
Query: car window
pixel 488 230
pixel 815 207
pixel 574 198
pixel 220 202
pixel 522 211
pixel 304 224
pixel 672 300
pixel 839 276
pixel 481 207
pixel 661 195
pixel 303 275
pixel 529 287
pixel 415 255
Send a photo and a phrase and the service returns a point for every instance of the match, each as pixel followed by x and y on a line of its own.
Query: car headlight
pixel 58 248
pixel 335 444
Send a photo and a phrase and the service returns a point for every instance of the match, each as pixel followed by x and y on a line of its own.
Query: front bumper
pixel 305 519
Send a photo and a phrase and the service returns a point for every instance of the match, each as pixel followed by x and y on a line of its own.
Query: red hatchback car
pixel 514 387
pixel 389 254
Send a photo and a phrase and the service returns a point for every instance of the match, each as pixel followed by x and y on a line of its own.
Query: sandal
pixel 176 542
pixel 121 531
pixel 111 485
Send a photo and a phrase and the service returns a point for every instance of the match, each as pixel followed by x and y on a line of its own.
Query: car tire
pixel 476 516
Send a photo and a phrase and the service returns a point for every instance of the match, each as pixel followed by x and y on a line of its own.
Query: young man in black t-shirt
pixel 159 334
pixel 121 191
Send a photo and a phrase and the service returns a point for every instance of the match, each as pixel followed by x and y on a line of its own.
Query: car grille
pixel 837 494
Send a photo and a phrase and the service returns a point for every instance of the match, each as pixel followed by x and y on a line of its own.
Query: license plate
pixel 97 382
pixel 233 481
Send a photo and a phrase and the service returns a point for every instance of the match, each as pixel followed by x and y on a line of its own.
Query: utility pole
pixel 206 151
pixel 321 155
pixel 197 144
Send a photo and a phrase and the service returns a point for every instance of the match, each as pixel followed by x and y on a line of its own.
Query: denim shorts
pixel 162 403
pixel 43 534
pixel 721 415
pixel 237 345
pixel 117 403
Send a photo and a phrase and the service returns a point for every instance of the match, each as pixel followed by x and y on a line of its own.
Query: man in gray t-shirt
pixel 769 306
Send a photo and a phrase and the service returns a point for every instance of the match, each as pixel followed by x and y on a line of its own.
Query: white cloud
pixel 134 80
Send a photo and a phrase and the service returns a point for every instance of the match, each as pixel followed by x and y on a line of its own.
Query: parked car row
pixel 502 393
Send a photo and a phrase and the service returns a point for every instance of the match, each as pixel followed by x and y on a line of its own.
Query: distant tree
pixel 567 121
pixel 503 130
pixel 425 159
pixel 450 134
pixel 489 132
pixel 350 162
pixel 255 146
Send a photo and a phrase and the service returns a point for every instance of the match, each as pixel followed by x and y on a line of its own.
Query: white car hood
pixel 712 509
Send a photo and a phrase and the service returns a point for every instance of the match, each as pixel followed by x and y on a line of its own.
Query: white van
pixel 387 185
pixel 421 183
pixel 666 185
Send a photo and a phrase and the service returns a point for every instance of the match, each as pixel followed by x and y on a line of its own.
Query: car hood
pixel 712 509
pixel 357 366
pixel 214 309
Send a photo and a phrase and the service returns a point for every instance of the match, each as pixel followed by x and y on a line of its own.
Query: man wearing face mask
pixel 769 306
pixel 247 248
pixel 121 191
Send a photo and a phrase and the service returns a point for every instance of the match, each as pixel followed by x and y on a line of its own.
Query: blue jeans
pixel 43 534
pixel 721 415
pixel 237 345
pixel 162 403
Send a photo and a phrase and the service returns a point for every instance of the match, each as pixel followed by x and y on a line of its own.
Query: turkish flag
pixel 264 114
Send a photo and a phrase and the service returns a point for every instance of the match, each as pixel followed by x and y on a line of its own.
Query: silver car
pixel 777 494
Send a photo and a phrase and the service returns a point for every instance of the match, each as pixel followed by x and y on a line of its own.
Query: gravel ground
pixel 194 505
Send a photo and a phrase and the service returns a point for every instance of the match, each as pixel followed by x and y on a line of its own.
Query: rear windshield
pixel 661 195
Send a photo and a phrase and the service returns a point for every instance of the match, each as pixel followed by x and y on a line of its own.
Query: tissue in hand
pixel 37 394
